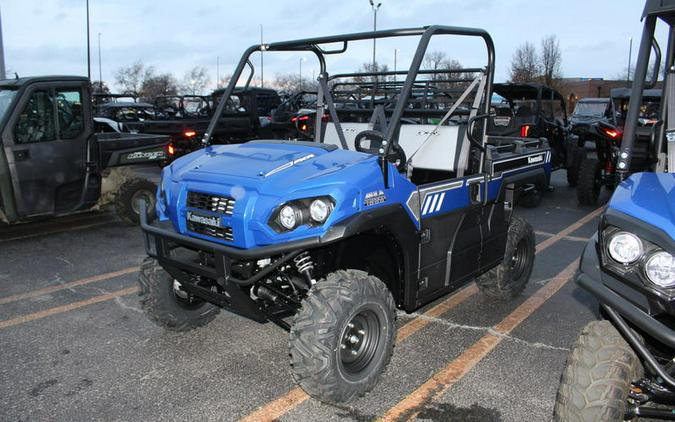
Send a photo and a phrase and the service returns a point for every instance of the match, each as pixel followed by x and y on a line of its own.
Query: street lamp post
pixel 100 68
pixel 217 72
pixel 395 56
pixel 630 52
pixel 88 47
pixel 302 59
pixel 2 54
pixel 375 8
pixel 262 68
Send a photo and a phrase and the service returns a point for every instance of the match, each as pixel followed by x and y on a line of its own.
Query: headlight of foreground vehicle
pixel 625 248
pixel 660 269
pixel 310 211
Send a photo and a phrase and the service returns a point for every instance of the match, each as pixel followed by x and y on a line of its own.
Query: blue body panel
pixel 649 197
pixel 262 176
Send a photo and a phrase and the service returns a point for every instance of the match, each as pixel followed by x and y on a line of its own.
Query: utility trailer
pixel 328 238
pixel 51 160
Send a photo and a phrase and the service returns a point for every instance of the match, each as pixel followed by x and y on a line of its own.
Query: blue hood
pixel 649 197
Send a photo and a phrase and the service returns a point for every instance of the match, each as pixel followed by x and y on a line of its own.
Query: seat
pixel 441 152
pixel 350 131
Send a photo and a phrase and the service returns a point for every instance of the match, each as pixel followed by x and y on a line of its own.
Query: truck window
pixel 71 120
pixel 36 122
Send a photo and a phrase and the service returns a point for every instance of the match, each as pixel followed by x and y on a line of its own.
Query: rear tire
pixel 596 381
pixel 573 169
pixel 131 191
pixel 164 307
pixel 590 182
pixel 509 278
pixel 342 338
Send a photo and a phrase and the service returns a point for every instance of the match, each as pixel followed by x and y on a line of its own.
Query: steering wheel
pixel 395 156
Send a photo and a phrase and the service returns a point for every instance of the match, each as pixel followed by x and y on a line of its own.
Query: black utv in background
pixel 52 162
pixel 531 110
pixel 600 171
pixel 587 112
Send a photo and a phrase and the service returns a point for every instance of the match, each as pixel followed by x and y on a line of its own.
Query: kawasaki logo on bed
pixel 152 155
pixel 206 220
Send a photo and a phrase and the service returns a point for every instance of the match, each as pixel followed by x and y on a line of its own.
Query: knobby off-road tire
pixel 130 192
pixel 573 170
pixel 509 278
pixel 596 381
pixel 589 183
pixel 163 307
pixel 342 338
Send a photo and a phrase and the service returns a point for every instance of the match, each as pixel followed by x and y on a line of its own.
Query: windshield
pixel 594 109
pixel 6 97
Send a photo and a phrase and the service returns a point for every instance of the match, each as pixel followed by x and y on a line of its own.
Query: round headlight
pixel 319 210
pixel 625 248
pixel 660 269
pixel 287 217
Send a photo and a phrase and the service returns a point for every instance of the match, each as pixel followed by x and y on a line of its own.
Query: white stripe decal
pixel 433 203
pixel 440 202
pixel 427 201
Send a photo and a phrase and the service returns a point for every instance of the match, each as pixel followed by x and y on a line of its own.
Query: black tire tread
pixel 123 199
pixel 313 336
pixel 586 188
pixel 160 306
pixel 596 380
pixel 497 283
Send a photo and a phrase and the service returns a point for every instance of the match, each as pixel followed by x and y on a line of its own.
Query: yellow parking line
pixel 444 379
pixel 65 308
pixel 71 284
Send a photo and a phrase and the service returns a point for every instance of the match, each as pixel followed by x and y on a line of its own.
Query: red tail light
pixel 301 119
pixel 525 131
pixel 189 133
pixel 612 133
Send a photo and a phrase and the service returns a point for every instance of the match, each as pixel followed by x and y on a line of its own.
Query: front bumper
pixel 626 300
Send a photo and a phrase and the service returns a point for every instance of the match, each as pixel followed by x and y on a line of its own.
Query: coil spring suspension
pixel 305 265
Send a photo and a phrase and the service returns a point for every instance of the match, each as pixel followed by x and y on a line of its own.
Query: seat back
pixel 441 152
pixel 350 131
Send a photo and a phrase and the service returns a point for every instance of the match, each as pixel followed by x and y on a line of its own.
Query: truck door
pixel 45 147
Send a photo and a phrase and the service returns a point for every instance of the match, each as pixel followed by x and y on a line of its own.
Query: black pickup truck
pixel 51 160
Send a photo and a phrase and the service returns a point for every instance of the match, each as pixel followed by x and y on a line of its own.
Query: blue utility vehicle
pixel 328 238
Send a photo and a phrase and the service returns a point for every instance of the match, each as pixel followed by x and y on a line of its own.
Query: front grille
pixel 208 202
pixel 224 233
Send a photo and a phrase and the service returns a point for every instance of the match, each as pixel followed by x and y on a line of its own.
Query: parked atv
pixel 587 112
pixel 600 171
pixel 52 162
pixel 327 239
pixel 621 368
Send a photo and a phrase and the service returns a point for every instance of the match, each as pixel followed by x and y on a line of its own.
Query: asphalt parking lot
pixel 75 345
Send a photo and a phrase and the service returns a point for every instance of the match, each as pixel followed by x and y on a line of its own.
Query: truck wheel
pixel 342 338
pixel 590 181
pixel 132 191
pixel 596 381
pixel 167 305
pixel 508 279
pixel 573 169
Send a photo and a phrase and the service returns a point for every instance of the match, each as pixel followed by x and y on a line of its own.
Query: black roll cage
pixel 313 45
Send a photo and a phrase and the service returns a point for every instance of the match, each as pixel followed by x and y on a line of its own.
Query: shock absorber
pixel 305 265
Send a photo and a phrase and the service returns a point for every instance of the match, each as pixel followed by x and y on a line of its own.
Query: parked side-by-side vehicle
pixel 328 238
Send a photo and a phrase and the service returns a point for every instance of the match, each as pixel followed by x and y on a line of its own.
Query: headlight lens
pixel 625 248
pixel 319 210
pixel 287 217
pixel 660 269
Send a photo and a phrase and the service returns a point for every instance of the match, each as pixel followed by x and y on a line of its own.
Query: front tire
pixel 589 182
pixel 573 169
pixel 132 191
pixel 168 306
pixel 342 338
pixel 508 279
pixel 597 378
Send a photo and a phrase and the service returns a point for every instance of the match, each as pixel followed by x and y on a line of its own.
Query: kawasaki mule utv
pixel 622 367
pixel 328 238
pixel 51 161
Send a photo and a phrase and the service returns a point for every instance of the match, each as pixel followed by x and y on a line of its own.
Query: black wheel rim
pixel 359 341
pixel 519 260
pixel 142 195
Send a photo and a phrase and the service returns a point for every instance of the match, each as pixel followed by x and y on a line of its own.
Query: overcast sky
pixel 48 36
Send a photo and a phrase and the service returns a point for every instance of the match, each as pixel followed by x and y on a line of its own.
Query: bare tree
pixel 525 64
pixel 370 67
pixel 291 83
pixel 99 87
pixel 156 85
pixel 225 81
pixel 195 80
pixel 130 78
pixel 551 60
